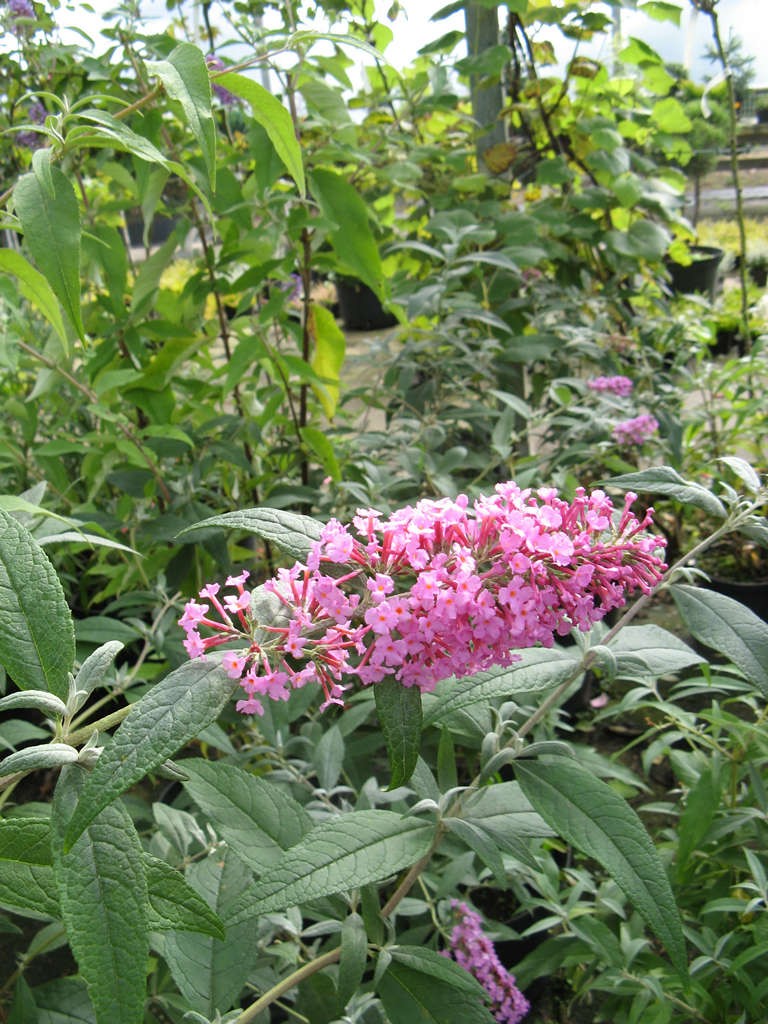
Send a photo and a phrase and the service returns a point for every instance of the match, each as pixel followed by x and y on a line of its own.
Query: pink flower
pixel 438 590
pixel 471 948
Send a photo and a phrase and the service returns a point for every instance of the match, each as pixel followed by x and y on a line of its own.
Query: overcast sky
pixel 747 19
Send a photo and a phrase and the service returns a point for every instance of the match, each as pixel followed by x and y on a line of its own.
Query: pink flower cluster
pixel 621 386
pixel 635 431
pixel 436 590
pixel 471 948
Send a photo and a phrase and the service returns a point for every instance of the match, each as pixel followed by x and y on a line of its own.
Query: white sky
pixel 747 19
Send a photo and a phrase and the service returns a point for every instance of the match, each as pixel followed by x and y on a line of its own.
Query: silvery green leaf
pixel 41 700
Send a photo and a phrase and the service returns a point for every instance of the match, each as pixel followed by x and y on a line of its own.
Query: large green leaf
pixel 667 481
pixel 103 898
pixel 345 852
pixel 35 288
pixel 210 972
pixel 37 638
pixel 185 78
pixel 274 119
pixel 399 710
pixel 588 813
pixel 351 235
pixel 27 884
pixel 537 670
pixel 728 627
pixel 174 905
pixel 328 357
pixel 50 219
pixel 165 719
pixel 651 650
pixel 292 533
pixel 420 985
pixel 257 818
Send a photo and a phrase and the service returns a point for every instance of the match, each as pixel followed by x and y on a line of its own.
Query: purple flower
pixel 29 138
pixel 21 8
pixel 471 948
pixel 223 95
pixel 636 430
pixel 621 386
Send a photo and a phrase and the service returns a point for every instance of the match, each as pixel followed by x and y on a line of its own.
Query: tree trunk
pixel 482 26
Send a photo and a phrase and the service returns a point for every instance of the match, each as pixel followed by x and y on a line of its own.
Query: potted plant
pixel 695 270
pixel 757 263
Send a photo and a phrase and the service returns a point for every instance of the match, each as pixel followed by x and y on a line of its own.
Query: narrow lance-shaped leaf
pixel 421 985
pixel 51 225
pixel 212 972
pixel 103 897
pixel 667 481
pixel 328 357
pixel 345 852
pixel 173 712
pixel 291 532
pixel 26 873
pixel 399 711
pixel 258 819
pixel 729 627
pixel 586 812
pixel 174 905
pixel 537 670
pixel 37 638
pixel 273 118
pixel 35 288
pixel 185 78
pixel 351 237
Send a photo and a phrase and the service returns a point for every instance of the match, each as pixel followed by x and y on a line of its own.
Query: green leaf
pixel 27 884
pixel 123 137
pixel 35 288
pixel 274 119
pixel 505 813
pixel 328 757
pixel 662 11
pixel 701 805
pixel 93 672
pixel 43 701
pixel 170 715
pixel 588 813
pixel 416 988
pixel 257 818
pixel 354 954
pixel 433 964
pixel 651 650
pixel 42 755
pixel 328 357
pixel 51 225
pixel 63 1001
pixel 210 972
pixel 103 897
pixel 726 626
pixel 37 640
pixel 351 235
pixel 537 670
pixel 399 710
pixel 667 481
pixel 185 78
pixel 482 844
pixel 669 116
pixel 292 533
pixel 343 853
pixel 174 905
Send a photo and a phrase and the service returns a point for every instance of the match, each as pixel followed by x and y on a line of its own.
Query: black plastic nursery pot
pixel 360 308
pixel 698 276
pixel 752 594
